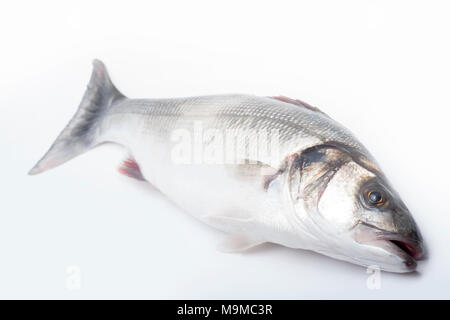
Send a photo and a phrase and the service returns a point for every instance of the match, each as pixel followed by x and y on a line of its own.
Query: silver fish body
pixel 260 169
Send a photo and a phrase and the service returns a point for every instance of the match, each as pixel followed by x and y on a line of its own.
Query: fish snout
pixel 411 243
pixel 403 247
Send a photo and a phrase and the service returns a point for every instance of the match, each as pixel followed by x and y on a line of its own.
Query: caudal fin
pixel 80 134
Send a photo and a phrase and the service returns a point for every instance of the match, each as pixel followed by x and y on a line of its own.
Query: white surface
pixel 379 67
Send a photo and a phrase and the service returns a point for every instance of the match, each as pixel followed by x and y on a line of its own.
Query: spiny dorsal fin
pixel 298 102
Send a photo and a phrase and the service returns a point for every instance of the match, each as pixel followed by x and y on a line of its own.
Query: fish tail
pixel 81 133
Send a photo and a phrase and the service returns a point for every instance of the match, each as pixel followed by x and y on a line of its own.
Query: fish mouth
pixel 413 250
pixel 409 248
pixel 407 245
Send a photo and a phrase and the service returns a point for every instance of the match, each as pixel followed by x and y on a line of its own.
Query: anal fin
pixel 130 167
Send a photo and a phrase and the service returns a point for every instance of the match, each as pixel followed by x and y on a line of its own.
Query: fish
pixel 260 169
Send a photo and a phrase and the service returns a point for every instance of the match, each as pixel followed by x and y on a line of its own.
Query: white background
pixel 379 67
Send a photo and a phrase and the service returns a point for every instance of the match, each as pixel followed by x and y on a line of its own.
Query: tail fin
pixel 80 134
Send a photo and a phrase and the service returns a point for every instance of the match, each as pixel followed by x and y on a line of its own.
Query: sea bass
pixel 261 169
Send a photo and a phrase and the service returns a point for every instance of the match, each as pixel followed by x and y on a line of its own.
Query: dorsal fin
pixel 298 102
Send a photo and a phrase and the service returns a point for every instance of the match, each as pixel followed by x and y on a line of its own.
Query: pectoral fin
pixel 238 242
pixel 262 174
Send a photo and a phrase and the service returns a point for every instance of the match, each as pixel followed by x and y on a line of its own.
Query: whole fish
pixel 261 169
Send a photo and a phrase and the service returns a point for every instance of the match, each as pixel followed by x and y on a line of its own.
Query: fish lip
pixel 410 264
pixel 409 249
pixel 407 245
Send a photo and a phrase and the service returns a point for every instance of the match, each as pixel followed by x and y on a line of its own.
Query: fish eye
pixel 374 195
pixel 376 198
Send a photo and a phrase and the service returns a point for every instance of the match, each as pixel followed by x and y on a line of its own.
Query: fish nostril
pixel 400 212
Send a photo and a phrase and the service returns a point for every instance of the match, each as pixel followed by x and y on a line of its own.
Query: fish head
pixel 349 209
